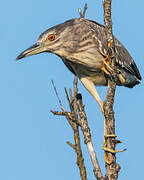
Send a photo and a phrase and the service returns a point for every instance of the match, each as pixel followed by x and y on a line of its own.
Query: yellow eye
pixel 51 37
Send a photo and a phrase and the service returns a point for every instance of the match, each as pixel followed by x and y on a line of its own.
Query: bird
pixel 82 45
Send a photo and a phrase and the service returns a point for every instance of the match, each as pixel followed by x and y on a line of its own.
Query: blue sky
pixel 33 141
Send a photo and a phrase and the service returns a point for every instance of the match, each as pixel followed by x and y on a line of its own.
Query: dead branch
pixel 87 138
pixel 77 117
pixel 72 120
pixel 112 168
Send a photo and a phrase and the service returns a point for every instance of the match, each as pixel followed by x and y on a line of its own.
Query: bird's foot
pixel 107 62
pixel 106 149
pixel 107 67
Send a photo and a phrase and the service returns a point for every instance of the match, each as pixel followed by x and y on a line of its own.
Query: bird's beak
pixel 35 49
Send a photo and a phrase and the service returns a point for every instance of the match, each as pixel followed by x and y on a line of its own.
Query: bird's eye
pixel 51 37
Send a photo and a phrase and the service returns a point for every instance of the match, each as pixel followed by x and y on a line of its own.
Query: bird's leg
pixel 89 85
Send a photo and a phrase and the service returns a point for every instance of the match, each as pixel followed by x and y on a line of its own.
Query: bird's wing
pixel 123 57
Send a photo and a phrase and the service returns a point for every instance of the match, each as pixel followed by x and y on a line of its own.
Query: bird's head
pixel 59 40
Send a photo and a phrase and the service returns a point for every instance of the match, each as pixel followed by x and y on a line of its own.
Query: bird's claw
pixel 106 149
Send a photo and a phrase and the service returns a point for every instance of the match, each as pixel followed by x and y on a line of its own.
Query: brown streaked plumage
pixel 82 45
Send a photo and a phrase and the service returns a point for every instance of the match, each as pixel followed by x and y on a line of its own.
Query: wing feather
pixel 123 57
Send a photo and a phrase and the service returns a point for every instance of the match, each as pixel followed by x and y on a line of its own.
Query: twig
pixel 70 92
pixel 67 96
pixel 82 15
pixel 59 113
pixel 60 103
pixel 75 86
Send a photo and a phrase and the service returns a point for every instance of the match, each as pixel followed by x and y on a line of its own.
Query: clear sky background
pixel 32 140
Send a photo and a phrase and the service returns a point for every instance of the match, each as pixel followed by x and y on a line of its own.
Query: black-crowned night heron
pixel 82 46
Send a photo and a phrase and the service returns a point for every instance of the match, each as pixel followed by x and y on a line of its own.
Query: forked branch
pixel 82 14
pixel 72 120
pixel 77 117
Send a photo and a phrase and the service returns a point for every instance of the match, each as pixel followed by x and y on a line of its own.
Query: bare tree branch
pixel 77 110
pixel 72 120
pixel 87 138
pixel 112 168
